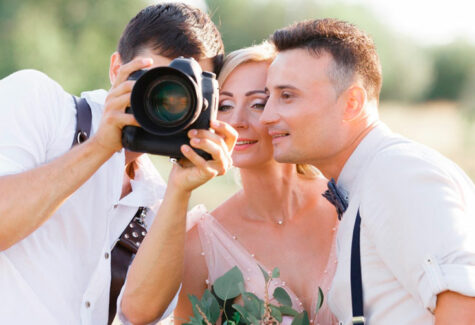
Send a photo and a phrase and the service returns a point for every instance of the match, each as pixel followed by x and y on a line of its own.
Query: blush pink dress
pixel 222 252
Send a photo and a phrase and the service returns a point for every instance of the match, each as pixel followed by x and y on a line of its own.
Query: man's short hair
pixel 173 30
pixel 353 51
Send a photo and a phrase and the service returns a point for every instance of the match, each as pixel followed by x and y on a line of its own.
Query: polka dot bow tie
pixel 336 197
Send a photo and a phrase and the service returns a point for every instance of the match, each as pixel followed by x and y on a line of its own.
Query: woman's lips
pixel 243 144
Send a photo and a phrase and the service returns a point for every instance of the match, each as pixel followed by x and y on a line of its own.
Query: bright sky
pixel 428 21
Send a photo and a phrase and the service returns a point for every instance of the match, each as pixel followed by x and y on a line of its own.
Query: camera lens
pixel 169 101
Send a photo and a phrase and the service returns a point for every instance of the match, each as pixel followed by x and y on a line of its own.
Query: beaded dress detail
pixel 222 251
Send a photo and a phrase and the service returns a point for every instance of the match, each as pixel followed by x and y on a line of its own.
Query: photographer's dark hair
pixel 173 30
pixel 353 51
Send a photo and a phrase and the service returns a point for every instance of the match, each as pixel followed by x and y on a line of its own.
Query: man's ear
pixel 355 100
pixel 115 64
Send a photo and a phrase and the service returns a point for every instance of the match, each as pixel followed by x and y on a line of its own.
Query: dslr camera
pixel 167 102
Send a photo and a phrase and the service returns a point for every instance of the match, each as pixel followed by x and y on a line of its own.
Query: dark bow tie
pixel 334 195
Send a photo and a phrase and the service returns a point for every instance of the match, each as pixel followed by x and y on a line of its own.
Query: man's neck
pixel 332 166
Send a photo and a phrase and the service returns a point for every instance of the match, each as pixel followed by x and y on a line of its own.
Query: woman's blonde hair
pixel 264 52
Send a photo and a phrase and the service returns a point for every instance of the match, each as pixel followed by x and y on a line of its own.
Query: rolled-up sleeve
pixel 420 214
pixel 171 307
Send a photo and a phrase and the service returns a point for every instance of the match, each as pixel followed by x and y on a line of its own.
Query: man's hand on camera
pixel 194 170
pixel 114 118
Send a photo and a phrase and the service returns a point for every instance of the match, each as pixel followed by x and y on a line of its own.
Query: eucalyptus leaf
pixel 282 296
pixel 288 311
pixel 275 312
pixel 275 272
pixel 252 304
pixel 301 319
pixel 227 286
pixel 210 307
pixel 320 300
pixel 248 317
pixel 264 272
pixel 194 301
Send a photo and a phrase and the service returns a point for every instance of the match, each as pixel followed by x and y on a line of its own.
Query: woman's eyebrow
pixel 252 92
pixel 226 93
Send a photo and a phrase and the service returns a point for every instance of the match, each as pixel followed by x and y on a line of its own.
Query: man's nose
pixel 269 115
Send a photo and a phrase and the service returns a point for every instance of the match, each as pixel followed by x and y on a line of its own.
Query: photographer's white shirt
pixel 417 230
pixel 60 274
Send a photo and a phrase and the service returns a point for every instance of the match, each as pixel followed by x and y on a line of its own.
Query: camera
pixel 167 102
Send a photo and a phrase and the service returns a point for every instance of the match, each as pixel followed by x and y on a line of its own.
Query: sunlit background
pixel 427 49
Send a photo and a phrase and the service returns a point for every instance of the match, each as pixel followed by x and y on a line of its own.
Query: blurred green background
pixel 428 90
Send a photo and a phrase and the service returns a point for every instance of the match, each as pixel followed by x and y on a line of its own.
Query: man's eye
pixel 224 108
pixel 285 95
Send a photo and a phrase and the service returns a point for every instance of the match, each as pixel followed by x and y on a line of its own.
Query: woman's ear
pixel 355 99
pixel 115 64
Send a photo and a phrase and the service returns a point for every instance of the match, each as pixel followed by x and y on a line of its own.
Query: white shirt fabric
pixel 417 230
pixel 60 274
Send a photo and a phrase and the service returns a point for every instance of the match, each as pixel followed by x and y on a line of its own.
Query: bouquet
pixel 219 303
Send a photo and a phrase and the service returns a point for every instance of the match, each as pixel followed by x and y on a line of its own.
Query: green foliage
pixel 282 297
pixel 253 311
pixel 72 41
pixel 229 285
pixel 453 65
pixel 301 319
pixel 319 300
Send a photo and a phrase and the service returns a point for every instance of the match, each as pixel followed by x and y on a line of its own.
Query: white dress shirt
pixel 60 274
pixel 417 230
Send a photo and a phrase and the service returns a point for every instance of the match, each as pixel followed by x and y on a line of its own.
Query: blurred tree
pixel 453 66
pixel 407 68
pixel 69 40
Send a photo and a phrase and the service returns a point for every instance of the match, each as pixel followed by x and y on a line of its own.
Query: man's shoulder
pixel 405 156
pixel 28 79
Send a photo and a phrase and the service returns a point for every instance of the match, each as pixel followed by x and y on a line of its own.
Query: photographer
pixel 63 209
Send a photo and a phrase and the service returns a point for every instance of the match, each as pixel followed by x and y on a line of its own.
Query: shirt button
pixel 88 304
pixel 106 256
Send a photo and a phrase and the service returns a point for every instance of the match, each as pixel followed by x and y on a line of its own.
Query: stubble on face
pixel 303 102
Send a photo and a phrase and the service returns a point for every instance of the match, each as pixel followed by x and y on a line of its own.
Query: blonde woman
pixel 278 219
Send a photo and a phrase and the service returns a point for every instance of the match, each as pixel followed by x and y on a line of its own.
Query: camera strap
pixel 83 120
pixel 129 241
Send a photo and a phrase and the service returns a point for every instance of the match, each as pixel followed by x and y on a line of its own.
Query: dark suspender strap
pixel 122 255
pixel 83 121
pixel 356 280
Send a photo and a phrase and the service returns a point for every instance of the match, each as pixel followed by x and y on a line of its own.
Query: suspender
pixel 355 277
pixel 129 241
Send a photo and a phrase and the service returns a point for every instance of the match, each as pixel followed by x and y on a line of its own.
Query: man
pixel 63 209
pixel 417 208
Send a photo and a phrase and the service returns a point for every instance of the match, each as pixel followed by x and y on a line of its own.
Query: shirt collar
pixel 95 98
pixel 147 187
pixel 360 156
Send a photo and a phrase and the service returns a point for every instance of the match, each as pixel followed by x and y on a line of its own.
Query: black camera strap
pixel 83 121
pixel 129 241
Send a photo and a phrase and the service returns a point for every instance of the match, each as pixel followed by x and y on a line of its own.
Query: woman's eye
pixel 259 106
pixel 224 108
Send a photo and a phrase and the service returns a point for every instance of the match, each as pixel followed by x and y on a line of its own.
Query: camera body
pixel 167 102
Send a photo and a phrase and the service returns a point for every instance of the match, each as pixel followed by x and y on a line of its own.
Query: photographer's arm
pixel 29 198
pixel 156 272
